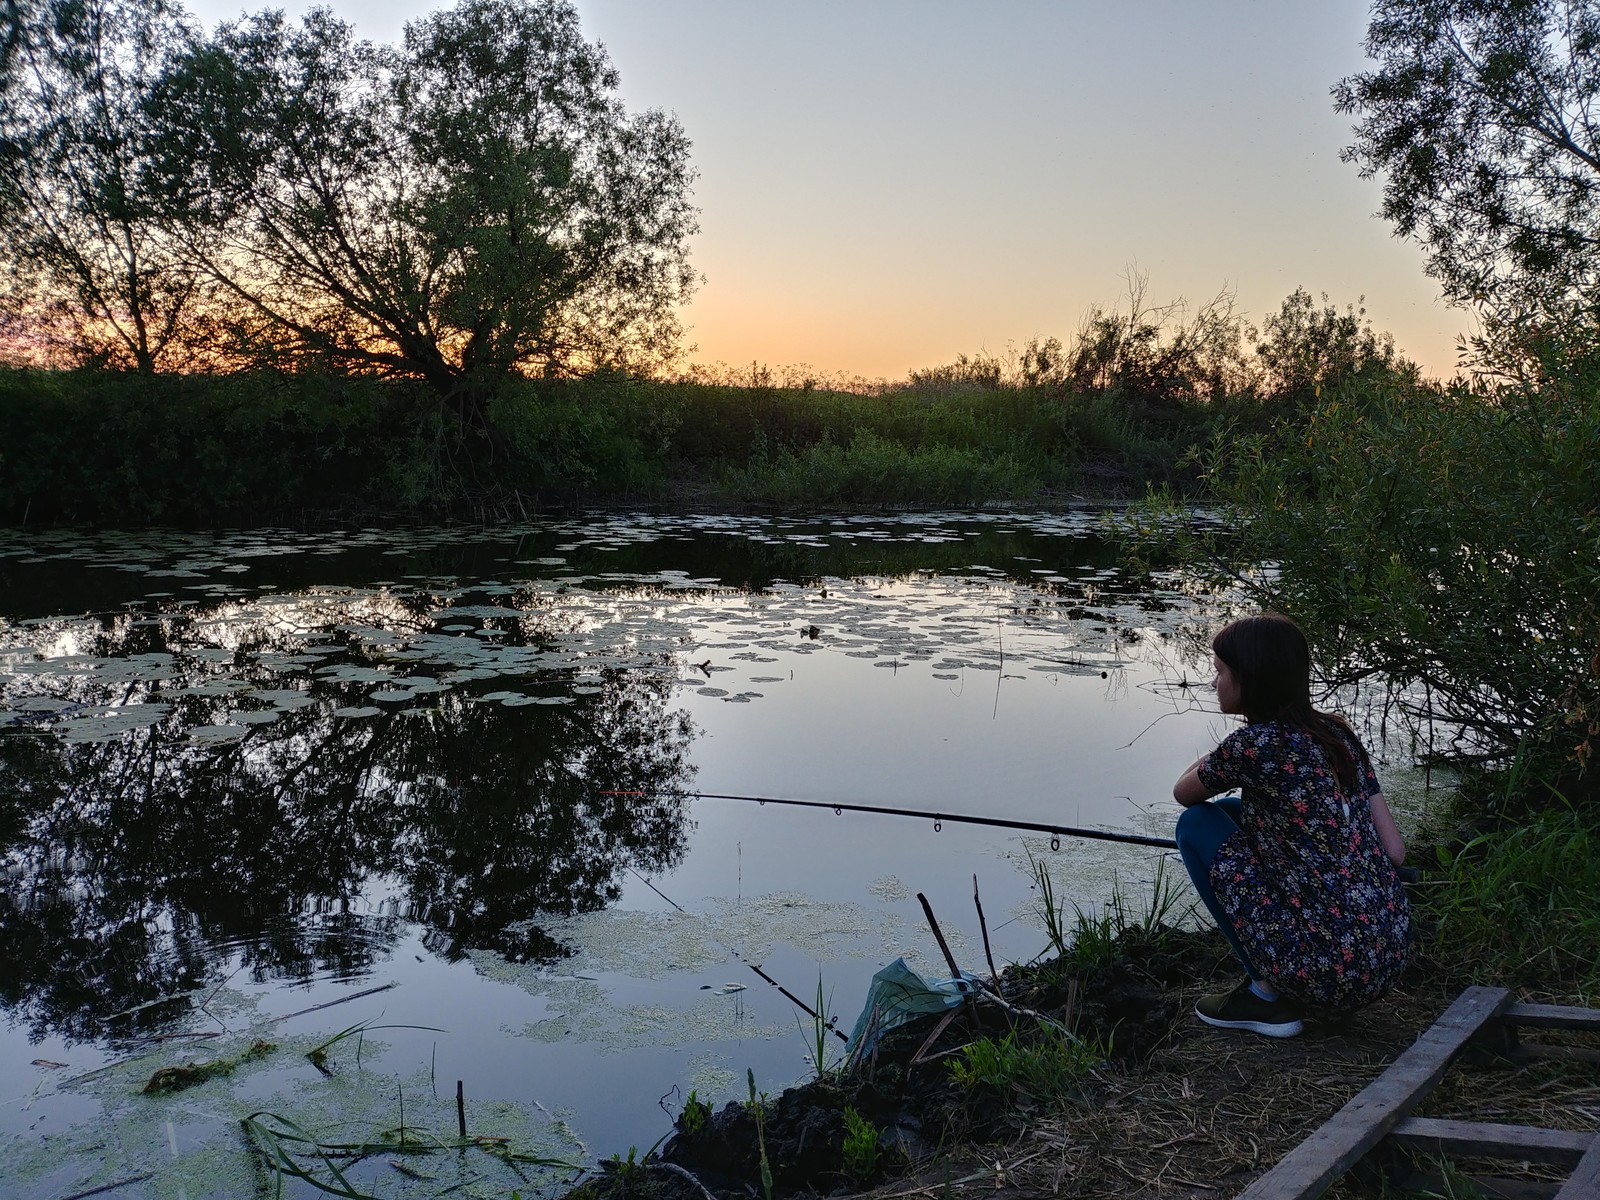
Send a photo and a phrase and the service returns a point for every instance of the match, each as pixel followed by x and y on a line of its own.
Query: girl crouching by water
pixel 1300 869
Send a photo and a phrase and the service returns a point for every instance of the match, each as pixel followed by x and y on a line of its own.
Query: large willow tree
pixel 470 205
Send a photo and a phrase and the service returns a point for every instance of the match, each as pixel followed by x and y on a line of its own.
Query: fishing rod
pixel 1056 832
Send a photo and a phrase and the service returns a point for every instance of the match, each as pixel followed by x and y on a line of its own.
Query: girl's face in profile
pixel 1229 699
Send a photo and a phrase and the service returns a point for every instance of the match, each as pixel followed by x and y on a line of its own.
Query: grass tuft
pixel 1087 941
pixel 1517 906
pixel 1048 1067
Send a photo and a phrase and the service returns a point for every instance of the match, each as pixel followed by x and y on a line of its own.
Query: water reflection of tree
pixel 136 867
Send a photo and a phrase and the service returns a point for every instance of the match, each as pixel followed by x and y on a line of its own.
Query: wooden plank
pixel 1585 1181
pixel 1491 1141
pixel 1531 1051
pixel 1491 1187
pixel 1307 1170
pixel 1553 1016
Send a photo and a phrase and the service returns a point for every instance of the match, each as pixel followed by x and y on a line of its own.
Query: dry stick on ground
pixel 917 1059
pixel 950 959
pixel 869 1037
pixel 675 1169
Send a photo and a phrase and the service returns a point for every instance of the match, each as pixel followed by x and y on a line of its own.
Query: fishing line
pixel 1056 832
pixel 829 1022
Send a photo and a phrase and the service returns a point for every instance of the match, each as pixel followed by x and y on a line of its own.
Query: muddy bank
pixel 1171 1109
pixel 978 1075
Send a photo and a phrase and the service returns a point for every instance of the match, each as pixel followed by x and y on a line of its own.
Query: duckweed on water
pixel 659 945
pixel 190 1143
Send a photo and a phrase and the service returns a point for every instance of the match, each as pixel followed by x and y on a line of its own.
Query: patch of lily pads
pixel 548 628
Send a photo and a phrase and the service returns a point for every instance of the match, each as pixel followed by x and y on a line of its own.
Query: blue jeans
pixel 1202 828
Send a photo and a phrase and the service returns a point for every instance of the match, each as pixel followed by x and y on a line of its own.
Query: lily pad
pixel 213 735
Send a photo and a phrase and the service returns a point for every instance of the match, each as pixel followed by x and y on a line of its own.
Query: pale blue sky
pixel 887 183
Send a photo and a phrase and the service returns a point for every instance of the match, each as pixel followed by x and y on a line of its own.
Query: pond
pixel 448 792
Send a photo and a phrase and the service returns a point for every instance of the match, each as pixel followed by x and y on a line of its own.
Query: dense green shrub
pixel 603 438
pixel 126 448
pixel 1443 539
pixel 874 470
pixel 113 447
pixel 1516 904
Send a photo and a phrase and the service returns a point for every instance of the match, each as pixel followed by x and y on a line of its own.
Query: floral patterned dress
pixel 1317 904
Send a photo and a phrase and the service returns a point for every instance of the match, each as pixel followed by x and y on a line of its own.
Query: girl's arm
pixel 1383 821
pixel 1189 790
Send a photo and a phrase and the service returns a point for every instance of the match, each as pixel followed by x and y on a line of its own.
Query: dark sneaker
pixel 1243 1009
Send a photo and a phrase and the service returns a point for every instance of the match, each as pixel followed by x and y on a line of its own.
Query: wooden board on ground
pixel 1553 1016
pixel 1584 1183
pixel 1489 1140
pixel 1328 1153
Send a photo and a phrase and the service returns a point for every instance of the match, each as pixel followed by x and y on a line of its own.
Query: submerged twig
pixel 107 1187
pixel 329 1004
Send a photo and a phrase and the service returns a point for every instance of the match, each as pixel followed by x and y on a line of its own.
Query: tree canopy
pixel 471 204
pixel 1483 118
pixel 91 272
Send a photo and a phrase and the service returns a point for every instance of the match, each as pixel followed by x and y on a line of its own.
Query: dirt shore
pixel 1175 1109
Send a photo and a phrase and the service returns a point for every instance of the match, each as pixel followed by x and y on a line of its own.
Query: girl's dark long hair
pixel 1271 663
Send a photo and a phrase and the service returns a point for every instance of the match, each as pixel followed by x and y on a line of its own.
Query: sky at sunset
pixel 885 184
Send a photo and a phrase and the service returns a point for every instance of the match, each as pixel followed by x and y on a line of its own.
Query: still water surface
pixel 249 773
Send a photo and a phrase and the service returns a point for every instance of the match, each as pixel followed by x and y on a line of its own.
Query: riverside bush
pixel 106 446
pixel 1516 905
pixel 93 445
pixel 1443 539
pixel 874 470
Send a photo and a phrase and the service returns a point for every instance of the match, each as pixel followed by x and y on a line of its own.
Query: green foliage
pixel 1157 355
pixel 1520 905
pixel 610 436
pixel 822 1025
pixel 696 1112
pixel 1091 940
pixel 758 1111
pixel 629 1171
pixel 1477 119
pixel 1440 539
pixel 101 446
pixel 873 470
pixel 1048 1067
pixel 862 1151
pixel 1305 349
pixel 96 445
pixel 470 204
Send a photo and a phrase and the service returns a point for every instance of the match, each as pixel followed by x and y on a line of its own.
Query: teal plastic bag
pixel 899 995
